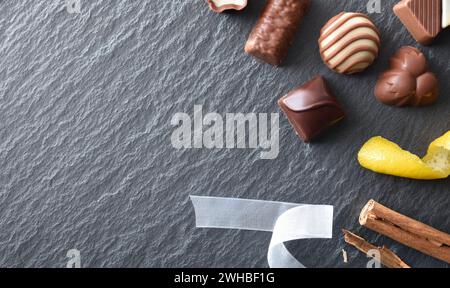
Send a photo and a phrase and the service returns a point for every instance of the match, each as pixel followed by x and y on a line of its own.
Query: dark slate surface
pixel 86 159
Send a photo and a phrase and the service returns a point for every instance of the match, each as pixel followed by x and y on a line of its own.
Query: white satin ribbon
pixel 287 221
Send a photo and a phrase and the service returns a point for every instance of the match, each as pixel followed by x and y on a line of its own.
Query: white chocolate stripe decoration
pixel 220 3
pixel 219 6
pixel 349 43
pixel 287 221
pixel 445 13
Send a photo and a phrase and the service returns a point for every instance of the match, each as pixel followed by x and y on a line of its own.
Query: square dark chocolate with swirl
pixel 311 108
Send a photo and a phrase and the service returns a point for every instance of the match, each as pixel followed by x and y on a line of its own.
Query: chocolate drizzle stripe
pixel 330 22
pixel 344 33
pixel 353 52
pixel 340 20
pixel 349 41
pixel 353 65
pixel 334 23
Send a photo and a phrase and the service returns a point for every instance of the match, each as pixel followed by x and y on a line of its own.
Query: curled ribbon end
pixel 287 221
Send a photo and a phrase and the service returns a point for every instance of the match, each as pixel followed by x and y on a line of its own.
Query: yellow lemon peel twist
pixel 383 156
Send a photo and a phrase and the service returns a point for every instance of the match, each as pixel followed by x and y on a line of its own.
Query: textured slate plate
pixel 86 161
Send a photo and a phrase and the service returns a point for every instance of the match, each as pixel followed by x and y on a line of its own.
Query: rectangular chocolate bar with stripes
pixel 424 19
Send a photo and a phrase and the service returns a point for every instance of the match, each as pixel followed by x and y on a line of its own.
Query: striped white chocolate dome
pixel 349 43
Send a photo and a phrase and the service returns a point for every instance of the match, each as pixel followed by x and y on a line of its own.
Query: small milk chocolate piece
pixel 311 108
pixel 408 82
pixel 221 5
pixel 422 18
pixel 275 30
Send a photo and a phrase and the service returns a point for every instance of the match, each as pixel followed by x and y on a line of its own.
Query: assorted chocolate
pixel 424 19
pixel 349 43
pixel 221 5
pixel 408 81
pixel 311 108
pixel 275 30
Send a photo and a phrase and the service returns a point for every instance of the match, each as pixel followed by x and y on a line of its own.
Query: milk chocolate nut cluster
pixel 408 82
pixel 275 30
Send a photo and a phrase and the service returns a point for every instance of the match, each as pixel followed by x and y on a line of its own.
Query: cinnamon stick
pixel 405 230
pixel 387 257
